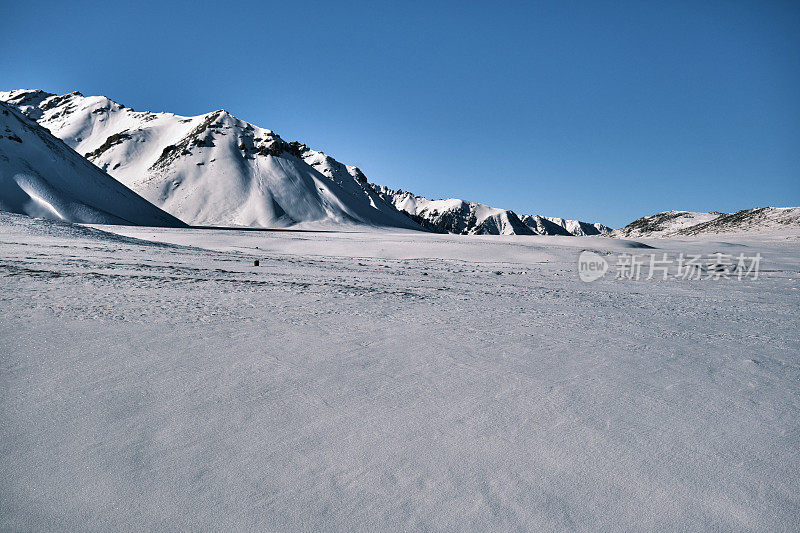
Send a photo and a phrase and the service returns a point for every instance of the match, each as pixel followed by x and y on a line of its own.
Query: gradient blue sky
pixel 603 111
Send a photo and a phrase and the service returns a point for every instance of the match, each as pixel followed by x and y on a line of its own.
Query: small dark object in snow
pixel 498 272
pixel 256 263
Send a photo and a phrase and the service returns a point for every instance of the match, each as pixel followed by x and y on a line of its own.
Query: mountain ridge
pixel 216 169
pixel 464 217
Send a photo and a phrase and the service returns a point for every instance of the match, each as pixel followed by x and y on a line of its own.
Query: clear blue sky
pixel 603 111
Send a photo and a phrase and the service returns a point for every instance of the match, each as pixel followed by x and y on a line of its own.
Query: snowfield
pixel 153 378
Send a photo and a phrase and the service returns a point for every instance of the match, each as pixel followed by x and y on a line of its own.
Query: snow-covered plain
pixel 155 379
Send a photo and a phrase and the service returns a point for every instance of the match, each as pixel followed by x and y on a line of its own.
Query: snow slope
pixel 212 169
pixel 472 218
pixel 40 176
pixel 756 221
pixel 153 379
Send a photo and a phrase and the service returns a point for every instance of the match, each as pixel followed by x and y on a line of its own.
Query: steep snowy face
pixel 471 218
pixel 781 220
pixel 408 203
pixel 212 169
pixel 43 177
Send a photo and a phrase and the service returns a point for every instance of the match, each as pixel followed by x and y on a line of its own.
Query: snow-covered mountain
pixel 684 223
pixel 216 169
pixel 212 169
pixel 43 177
pixel 471 218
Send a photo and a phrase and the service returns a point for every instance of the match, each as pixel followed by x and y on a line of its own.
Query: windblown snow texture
pixel 40 176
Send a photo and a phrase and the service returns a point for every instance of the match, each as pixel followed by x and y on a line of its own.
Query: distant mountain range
pixel 218 170
pixel 41 176
pixel 685 223
pixel 471 218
